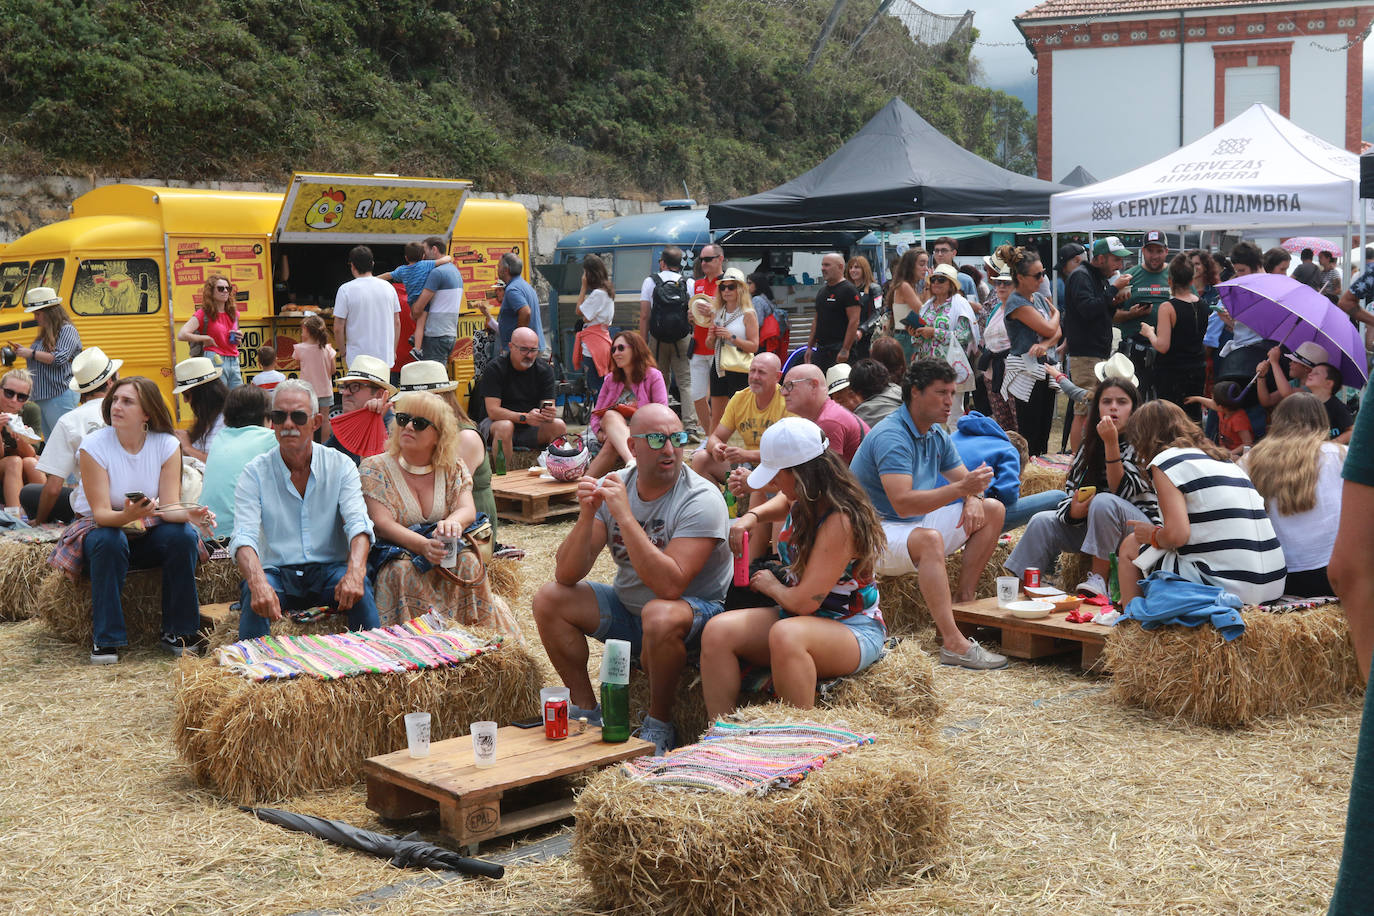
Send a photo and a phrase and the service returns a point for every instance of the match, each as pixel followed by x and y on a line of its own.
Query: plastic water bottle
pixel 615 691
pixel 1114 584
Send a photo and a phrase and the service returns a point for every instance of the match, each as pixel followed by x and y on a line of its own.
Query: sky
pixel 1008 66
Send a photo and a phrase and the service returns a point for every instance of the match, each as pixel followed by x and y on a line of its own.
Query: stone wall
pixel 29 203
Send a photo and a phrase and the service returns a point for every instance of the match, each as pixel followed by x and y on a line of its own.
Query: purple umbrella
pixel 1280 308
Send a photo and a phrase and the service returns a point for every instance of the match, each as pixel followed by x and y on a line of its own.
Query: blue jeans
pixel 110 554
pixel 53 409
pixel 437 348
pixel 305 586
pixel 1027 506
pixel 233 377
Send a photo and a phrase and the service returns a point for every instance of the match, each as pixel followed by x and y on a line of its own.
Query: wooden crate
pixel 524 497
pixel 1021 638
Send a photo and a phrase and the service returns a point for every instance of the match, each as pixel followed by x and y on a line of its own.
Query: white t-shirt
pixel 1309 537
pixel 128 473
pixel 205 441
pixel 597 308
pixel 369 305
pixel 59 455
pixel 269 379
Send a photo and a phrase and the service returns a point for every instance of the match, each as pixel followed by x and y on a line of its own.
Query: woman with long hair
pixel 1107 488
pixel 50 357
pixel 733 324
pixel 1296 468
pixel 1033 328
pixel 996 348
pixel 858 271
pixel 1213 527
pixel 1181 366
pixel 596 308
pixel 419 494
pixel 215 326
pixel 908 294
pixel 824 620
pixel 199 384
pixel 889 352
pixel 131 482
pixel 634 381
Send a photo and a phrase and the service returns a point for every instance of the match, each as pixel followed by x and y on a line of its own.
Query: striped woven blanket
pixel 430 641
pixel 748 759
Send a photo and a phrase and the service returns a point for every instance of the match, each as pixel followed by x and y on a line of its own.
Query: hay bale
pixel 65 605
pixel 262 742
pixel 1073 568
pixel 226 630
pixel 839 833
pixel 1283 663
pixel 901 684
pixel 506 577
pixel 904 607
pixel 1036 478
pixel 23 566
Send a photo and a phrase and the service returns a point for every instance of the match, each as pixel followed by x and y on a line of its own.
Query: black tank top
pixel 1185 345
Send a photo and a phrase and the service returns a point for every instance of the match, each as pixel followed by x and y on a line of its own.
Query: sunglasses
pixel 298 417
pixel 20 396
pixel 709 257
pixel 526 350
pixel 1039 275
pixel 619 347
pixel 658 440
pixel 355 387
pixel 729 286
pixel 221 289
pixel 419 424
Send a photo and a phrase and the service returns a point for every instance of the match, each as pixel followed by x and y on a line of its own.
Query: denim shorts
pixel 618 623
pixel 871 635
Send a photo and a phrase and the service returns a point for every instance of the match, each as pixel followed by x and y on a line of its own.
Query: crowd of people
pixel 862 455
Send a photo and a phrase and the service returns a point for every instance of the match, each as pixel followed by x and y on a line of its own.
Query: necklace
pixel 419 470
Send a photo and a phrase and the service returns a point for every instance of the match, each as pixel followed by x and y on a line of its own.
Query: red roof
pixel 1058 9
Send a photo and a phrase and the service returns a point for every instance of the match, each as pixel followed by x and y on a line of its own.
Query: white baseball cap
pixel 787 443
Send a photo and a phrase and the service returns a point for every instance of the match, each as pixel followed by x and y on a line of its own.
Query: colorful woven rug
pixel 430 641
pixel 1057 462
pixel 748 759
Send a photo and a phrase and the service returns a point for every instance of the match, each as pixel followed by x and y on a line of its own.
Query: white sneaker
pixel 1095 585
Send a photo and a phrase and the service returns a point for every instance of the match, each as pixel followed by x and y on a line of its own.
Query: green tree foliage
pixel 521 94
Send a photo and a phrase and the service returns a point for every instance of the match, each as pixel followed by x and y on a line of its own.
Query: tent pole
pixel 1054 253
pixel 923 234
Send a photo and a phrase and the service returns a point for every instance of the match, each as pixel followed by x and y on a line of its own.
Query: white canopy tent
pixel 1257 171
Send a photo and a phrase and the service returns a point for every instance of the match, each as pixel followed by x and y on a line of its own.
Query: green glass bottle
pixel 1114 584
pixel 498 460
pixel 731 509
pixel 615 691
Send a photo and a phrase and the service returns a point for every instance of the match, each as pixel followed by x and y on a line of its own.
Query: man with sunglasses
pixel 301 529
pixel 666 528
pixel 518 393
pixel 364 385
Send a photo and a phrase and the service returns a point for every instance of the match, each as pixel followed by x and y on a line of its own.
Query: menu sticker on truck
pixel 195 259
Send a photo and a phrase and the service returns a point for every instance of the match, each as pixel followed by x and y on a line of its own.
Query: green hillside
pixel 626 98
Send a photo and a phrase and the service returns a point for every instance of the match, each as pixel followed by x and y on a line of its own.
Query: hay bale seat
pixel 1283 663
pixel 260 742
pixel 23 566
pixel 1037 478
pixel 838 834
pixel 901 684
pixel 66 605
pixel 904 607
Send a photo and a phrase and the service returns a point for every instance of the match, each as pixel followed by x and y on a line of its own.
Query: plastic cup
pixel 484 744
pixel 551 693
pixel 1007 590
pixel 450 559
pixel 417 733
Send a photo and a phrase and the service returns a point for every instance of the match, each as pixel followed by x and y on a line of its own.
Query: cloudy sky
pixel 1007 64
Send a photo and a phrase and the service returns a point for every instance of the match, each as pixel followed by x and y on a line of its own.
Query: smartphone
pixel 136 496
pixel 546 404
pixel 1085 493
pixel 529 723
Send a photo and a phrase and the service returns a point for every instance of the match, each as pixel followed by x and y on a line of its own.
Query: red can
pixel 556 719
pixel 1031 577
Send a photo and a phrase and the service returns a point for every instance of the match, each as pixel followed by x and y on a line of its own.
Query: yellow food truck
pixel 131 262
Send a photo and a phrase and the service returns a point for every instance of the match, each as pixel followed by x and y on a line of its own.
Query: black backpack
pixel 668 321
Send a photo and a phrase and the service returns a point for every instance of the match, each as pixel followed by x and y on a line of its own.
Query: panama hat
pixel 837 378
pixel 1311 353
pixel 424 375
pixel 92 368
pixel 1118 365
pixel 41 297
pixel 948 271
pixel 197 370
pixel 368 369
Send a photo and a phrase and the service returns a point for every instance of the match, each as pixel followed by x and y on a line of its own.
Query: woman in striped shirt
pixel 1215 529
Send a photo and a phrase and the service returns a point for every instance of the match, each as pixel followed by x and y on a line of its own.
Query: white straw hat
pixel 92 368
pixel 368 369
pixel 787 443
pixel 424 375
pixel 198 370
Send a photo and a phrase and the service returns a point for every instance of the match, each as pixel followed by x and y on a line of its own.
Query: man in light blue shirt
pixel 301 531
pixel 520 305
pixel 243 438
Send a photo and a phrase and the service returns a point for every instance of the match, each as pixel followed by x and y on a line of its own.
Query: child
pixel 1234 432
pixel 316 358
pixel 413 274
pixel 268 376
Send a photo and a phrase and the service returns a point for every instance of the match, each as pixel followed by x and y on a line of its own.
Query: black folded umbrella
pixel 404 852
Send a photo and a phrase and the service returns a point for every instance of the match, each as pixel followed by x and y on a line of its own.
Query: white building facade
pixel 1124 83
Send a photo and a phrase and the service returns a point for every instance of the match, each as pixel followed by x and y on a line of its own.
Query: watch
pixel 522 418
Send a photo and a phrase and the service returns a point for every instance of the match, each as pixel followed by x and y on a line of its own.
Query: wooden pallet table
pixel 525 497
pixel 474 804
pixel 1022 638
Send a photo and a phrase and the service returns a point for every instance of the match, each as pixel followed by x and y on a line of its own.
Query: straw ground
pixel 1064 802
pixel 23 565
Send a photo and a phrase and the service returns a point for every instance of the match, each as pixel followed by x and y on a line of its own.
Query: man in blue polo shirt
pixel 520 304
pixel 900 463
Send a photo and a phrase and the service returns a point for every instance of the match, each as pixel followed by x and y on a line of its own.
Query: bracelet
pixel 1113 460
pixel 753 513
pixel 1154 537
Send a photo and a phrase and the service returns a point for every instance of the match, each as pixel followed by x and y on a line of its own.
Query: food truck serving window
pixel 16 278
pixel 114 286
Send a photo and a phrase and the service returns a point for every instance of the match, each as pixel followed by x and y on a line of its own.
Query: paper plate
pixel 1042 591
pixel 1030 610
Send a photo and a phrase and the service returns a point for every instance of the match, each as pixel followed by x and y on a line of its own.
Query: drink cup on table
pixel 484 744
pixel 417 733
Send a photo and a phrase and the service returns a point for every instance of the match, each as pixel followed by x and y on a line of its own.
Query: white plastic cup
pixel 417 733
pixel 553 693
pixel 615 662
pixel 1007 589
pixel 484 744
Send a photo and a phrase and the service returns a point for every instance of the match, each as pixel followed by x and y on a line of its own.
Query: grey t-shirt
pixel 693 508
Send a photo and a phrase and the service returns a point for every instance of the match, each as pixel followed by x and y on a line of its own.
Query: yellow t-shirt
pixel 744 417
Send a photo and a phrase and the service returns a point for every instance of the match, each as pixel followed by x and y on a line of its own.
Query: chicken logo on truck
pixel 326 212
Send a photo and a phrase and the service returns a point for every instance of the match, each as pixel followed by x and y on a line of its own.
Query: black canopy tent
pixel 897 170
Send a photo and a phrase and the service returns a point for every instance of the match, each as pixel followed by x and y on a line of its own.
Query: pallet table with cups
pixel 1022 638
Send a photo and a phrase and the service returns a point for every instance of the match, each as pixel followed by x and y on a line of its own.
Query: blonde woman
pixel 733 323
pixel 419 492
pixel 1297 469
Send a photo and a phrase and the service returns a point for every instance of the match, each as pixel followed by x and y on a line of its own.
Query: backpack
pixel 668 321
